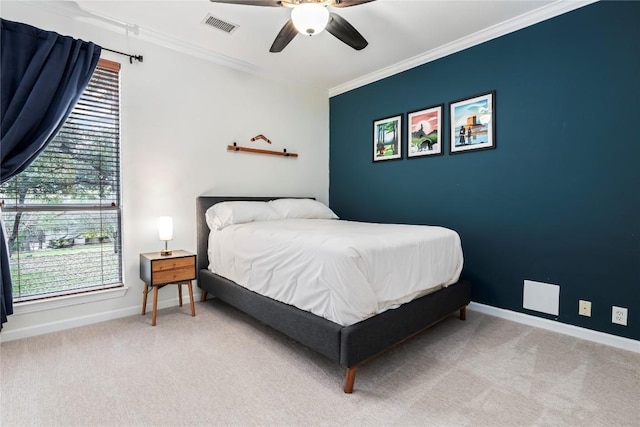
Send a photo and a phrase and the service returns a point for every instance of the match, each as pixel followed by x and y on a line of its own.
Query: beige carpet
pixel 222 368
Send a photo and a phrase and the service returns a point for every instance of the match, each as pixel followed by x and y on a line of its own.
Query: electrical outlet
pixel 584 308
pixel 619 315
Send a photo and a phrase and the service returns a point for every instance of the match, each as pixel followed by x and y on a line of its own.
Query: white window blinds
pixel 62 213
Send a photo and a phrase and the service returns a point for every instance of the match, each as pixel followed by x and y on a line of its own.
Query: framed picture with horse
pixel 425 132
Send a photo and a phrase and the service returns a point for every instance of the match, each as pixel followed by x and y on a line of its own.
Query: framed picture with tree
pixel 387 138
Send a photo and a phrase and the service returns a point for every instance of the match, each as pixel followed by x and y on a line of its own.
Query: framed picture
pixel 387 138
pixel 425 132
pixel 472 123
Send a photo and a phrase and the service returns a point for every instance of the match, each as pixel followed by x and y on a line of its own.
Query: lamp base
pixel 166 252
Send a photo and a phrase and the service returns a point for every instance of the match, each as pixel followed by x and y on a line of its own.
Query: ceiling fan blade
pixel 271 3
pixel 286 34
pixel 342 30
pixel 348 3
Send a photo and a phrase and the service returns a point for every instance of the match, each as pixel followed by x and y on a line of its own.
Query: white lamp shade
pixel 310 18
pixel 165 227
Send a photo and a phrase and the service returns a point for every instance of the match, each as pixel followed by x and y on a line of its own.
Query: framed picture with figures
pixel 472 123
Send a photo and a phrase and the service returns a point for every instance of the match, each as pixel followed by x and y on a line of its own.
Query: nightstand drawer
pixel 177 274
pixel 159 270
pixel 160 265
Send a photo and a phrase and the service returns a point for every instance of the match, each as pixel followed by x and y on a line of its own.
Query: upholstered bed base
pixel 350 346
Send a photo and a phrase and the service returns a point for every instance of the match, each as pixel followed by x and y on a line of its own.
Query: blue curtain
pixel 42 75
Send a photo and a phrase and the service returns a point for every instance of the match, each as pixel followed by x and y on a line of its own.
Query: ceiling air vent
pixel 219 24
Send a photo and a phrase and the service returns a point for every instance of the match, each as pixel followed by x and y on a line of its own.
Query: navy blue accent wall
pixel 558 200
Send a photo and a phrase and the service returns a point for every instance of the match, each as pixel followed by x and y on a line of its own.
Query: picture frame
pixel 387 138
pixel 425 132
pixel 472 123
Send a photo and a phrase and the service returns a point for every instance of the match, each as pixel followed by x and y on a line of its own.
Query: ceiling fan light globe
pixel 310 18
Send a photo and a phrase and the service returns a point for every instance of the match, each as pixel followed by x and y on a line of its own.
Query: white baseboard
pixel 562 328
pixel 74 322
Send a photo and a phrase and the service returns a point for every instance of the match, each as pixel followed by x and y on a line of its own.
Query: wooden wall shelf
pixel 283 153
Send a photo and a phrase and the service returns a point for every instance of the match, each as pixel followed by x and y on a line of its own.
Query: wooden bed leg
pixel 203 298
pixel 463 313
pixel 350 380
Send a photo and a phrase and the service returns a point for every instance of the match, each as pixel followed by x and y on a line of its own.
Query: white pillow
pixel 224 214
pixel 302 208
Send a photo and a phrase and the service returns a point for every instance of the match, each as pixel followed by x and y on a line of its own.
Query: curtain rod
pixel 131 57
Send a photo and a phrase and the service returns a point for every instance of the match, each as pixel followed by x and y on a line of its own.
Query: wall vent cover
pixel 219 24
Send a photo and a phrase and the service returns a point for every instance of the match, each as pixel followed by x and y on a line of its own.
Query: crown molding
pixel 153 37
pixel 542 14
pixel 549 11
pixel 144 34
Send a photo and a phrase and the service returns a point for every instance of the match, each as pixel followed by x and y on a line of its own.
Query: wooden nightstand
pixel 156 271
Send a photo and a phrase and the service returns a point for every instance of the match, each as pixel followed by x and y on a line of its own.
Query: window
pixel 62 213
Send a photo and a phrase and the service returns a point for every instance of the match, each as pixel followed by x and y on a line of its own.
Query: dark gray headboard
pixel 202 204
pixel 202 229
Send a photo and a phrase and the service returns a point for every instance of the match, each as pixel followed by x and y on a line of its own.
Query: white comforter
pixel 341 270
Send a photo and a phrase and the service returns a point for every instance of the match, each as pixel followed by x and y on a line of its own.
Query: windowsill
pixel 68 300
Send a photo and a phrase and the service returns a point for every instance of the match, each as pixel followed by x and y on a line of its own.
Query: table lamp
pixel 165 229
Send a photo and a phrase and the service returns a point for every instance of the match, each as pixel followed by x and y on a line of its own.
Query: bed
pixel 349 343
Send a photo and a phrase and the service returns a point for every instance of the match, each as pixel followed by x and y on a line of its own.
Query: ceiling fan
pixel 310 17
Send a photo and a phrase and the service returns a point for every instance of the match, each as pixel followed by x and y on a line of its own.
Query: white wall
pixel 179 113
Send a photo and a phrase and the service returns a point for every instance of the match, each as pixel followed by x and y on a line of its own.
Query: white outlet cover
pixel 619 315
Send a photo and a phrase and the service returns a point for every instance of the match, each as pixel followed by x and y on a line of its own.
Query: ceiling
pixel 401 33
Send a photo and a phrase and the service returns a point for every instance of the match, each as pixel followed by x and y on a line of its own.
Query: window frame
pixel 80 295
